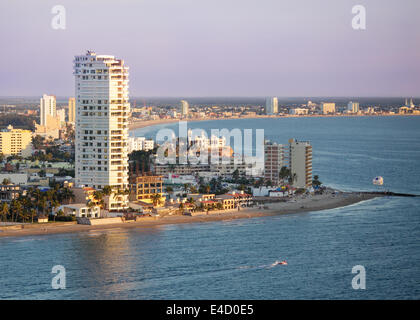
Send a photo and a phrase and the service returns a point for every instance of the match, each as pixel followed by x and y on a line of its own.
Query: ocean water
pixel 233 259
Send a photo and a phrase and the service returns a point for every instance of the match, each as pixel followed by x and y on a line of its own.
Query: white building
pixel 72 110
pixel 353 107
pixel 327 107
pixel 298 111
pixel 300 155
pixel 148 144
pixel 48 108
pixel 271 105
pixel 102 111
pixel 184 108
pixel 61 114
pixel 202 141
pixel 140 143
pixel 274 160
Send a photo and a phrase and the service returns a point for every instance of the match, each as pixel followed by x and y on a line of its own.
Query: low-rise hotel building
pixel 15 142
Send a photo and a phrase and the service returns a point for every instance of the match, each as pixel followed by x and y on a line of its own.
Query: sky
pixel 207 48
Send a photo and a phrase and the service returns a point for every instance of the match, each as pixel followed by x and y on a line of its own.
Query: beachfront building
pixel 298 111
pixel 72 110
pixel 80 210
pixel 102 111
pixel 353 107
pixel 274 159
pixel 143 187
pixel 184 108
pixel 271 105
pixel 15 142
pixel 9 192
pixel 300 158
pixel 47 109
pixel 327 107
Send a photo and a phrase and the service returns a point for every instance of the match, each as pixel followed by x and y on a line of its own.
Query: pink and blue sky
pixel 217 47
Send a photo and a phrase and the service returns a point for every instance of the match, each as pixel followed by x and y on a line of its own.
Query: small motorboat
pixel 279 263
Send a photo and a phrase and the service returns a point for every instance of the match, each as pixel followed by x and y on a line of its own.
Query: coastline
pixel 299 204
pixel 147 123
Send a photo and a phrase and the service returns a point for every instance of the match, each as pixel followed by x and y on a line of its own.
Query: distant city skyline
pixel 184 48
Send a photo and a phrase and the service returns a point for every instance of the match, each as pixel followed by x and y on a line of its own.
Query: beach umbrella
pixel 378 181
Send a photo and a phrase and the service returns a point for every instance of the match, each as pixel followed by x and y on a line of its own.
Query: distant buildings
pixel 50 121
pixel 327 107
pixel 300 158
pixel 140 143
pixel 47 109
pixel 271 105
pixel 298 111
pixel 15 142
pixel 72 110
pixel 353 107
pixel 61 114
pixel 184 108
pixel 102 111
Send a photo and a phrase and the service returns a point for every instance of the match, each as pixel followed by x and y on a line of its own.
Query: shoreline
pixel 299 204
pixel 139 124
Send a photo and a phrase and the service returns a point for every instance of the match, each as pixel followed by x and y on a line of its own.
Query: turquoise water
pixel 232 260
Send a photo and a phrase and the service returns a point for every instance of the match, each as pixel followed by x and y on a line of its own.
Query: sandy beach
pixel 293 205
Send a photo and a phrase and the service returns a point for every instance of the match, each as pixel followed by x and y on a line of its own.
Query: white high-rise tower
pixel 184 107
pixel 271 105
pixel 102 111
pixel 47 108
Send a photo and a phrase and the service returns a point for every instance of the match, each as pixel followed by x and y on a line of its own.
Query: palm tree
pixel 4 211
pixel 98 196
pixel 207 188
pixel 316 182
pixel 67 195
pixel 192 202
pixel 186 187
pixel 33 213
pixel 107 190
pixel 292 178
pixel 284 173
pixel 156 197
pixel 169 190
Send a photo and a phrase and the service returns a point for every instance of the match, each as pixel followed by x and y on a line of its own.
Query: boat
pixel 277 263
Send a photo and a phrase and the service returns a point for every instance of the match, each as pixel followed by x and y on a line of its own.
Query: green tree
pixel 284 173
pixel 316 182
pixel 156 198
pixel 4 211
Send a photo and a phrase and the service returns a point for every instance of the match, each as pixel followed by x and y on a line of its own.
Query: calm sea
pixel 232 260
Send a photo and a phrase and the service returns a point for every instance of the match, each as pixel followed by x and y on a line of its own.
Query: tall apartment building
pixel 274 160
pixel 102 111
pixel 72 110
pixel 271 105
pixel 47 108
pixel 300 163
pixel 15 142
pixel 184 108
pixel 353 107
pixel 327 107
